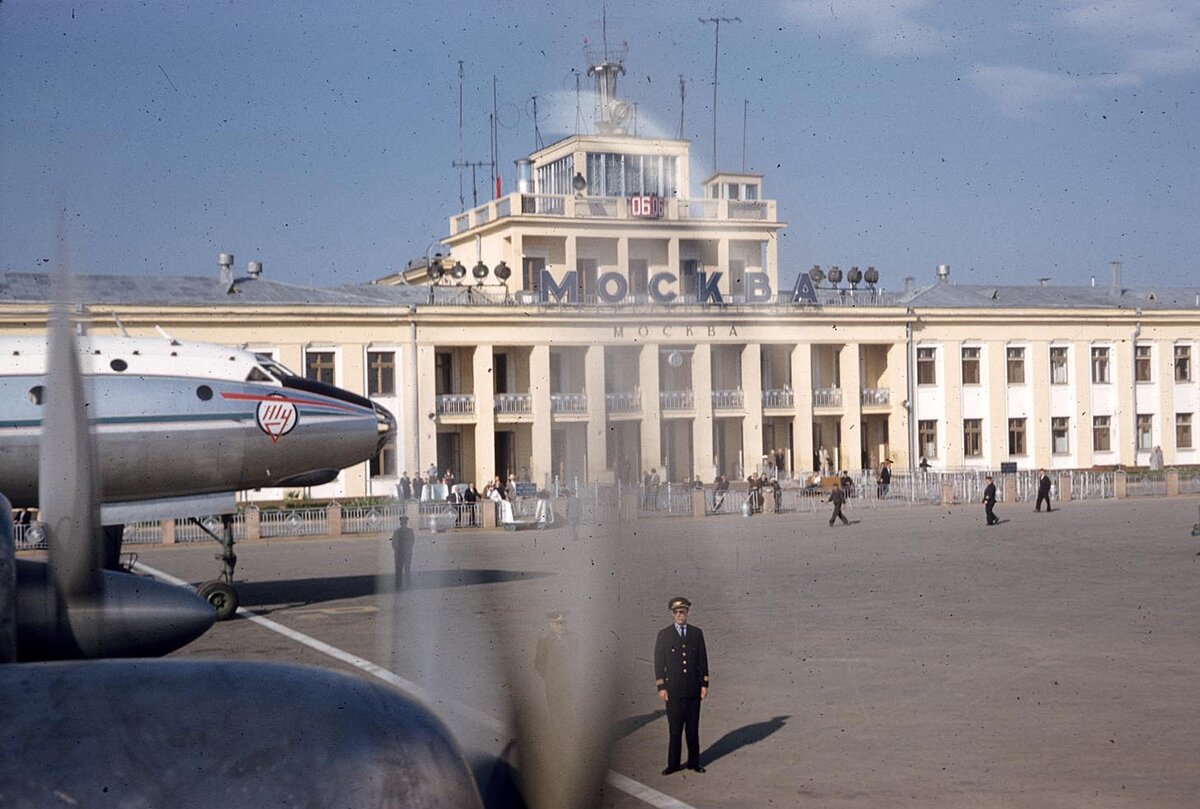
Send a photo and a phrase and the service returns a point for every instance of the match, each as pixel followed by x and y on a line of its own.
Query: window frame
pixel 1018 444
pixel 1102 429
pixel 1014 361
pixel 927 437
pixel 1144 429
pixel 1060 430
pixel 309 354
pixel 1060 363
pixel 1183 351
pixel 1183 428
pixel 1102 361
pixel 373 375
pixel 1143 364
pixel 926 365
pixel 974 362
pixel 973 438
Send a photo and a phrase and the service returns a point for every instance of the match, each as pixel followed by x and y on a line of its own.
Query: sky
pixel 1012 141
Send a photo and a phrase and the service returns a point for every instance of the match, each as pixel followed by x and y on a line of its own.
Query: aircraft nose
pixel 385 425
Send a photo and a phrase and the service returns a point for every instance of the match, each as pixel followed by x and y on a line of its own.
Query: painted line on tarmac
pixel 627 785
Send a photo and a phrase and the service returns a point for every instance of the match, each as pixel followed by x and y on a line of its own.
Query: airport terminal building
pixel 597 322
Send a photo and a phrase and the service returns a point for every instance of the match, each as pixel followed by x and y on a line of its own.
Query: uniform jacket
pixel 680 664
pixel 1044 483
pixel 989 494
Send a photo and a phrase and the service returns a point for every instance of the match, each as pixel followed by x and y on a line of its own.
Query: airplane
pixel 152 732
pixel 180 426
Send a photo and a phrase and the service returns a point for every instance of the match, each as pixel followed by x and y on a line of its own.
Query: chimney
pixel 1115 286
pixel 943 273
pixel 908 284
pixel 254 269
pixel 1044 282
pixel 225 262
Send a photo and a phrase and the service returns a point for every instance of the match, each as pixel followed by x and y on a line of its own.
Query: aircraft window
pixel 118 365
pixel 272 367
pixel 204 393
pixel 37 394
pixel 258 375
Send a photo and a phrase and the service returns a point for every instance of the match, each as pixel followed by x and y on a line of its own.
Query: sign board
pixel 647 206
pixel 526 490
pixel 1008 467
pixel 804 292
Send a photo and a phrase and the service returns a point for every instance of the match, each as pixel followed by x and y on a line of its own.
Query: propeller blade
pixel 8 584
pixel 68 503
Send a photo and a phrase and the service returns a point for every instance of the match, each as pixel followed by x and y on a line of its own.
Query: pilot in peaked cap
pixel 679 601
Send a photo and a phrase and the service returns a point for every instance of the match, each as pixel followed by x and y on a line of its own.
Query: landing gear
pixel 220 592
pixel 222 596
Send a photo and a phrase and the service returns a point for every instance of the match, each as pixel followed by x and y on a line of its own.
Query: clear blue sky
pixel 1011 140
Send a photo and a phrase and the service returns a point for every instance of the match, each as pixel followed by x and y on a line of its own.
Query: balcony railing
pixel 589 207
pixel 784 397
pixel 677 400
pixel 626 402
pixel 456 404
pixel 568 403
pixel 827 397
pixel 727 399
pixel 876 396
pixel 514 403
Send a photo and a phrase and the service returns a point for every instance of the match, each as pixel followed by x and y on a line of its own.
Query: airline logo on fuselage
pixel 276 416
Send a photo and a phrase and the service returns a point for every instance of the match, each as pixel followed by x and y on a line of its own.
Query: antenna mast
pixel 462 202
pixel 716 56
pixel 682 99
pixel 745 113
pixel 495 140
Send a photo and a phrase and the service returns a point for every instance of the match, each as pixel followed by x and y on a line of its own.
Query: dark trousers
pixel 683 718
pixel 992 519
pixel 838 515
pixel 1040 498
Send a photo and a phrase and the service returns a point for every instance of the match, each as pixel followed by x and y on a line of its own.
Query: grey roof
pixel 962 296
pixel 173 290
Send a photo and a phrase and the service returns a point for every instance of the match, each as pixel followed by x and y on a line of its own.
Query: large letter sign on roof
pixel 804 292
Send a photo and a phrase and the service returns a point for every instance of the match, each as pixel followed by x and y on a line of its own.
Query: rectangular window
pixel 927 437
pixel 1183 363
pixel 318 365
pixel 926 366
pixel 1145 431
pixel 1100 365
pixel 1101 434
pixel 383 465
pixel 1058 365
pixel 1141 364
pixel 1183 431
pixel 1016 366
pixel 970 365
pixel 973 438
pixel 443 373
pixel 381 373
pixel 1060 441
pixel 1016 436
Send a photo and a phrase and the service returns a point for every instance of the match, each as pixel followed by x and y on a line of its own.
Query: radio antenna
pixel 462 202
pixel 682 99
pixel 716 56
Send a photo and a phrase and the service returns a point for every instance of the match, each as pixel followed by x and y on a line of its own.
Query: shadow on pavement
pixel 320 589
pixel 630 724
pixel 742 737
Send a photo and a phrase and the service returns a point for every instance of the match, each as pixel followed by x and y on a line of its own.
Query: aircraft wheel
pixel 222 596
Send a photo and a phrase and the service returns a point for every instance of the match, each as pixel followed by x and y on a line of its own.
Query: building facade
pixel 597 323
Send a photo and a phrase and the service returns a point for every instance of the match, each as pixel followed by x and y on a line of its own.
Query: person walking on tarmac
pixel 838 498
pixel 681 677
pixel 989 502
pixel 1043 492
pixel 403 539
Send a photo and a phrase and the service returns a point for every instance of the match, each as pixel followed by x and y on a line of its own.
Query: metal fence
pixel 300 522
pixel 1146 484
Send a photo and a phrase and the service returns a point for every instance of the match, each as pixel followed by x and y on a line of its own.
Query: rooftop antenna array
pixel 460 163
pixel 716 56
pixel 612 116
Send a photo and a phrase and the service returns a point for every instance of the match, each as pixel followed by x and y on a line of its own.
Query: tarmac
pixel 915 657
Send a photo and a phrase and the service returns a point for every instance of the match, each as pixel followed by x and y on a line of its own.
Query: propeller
pixel 70 607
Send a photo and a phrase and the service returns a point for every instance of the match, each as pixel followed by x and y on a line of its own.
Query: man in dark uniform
pixel 1043 492
pixel 838 498
pixel 989 501
pixel 681 676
